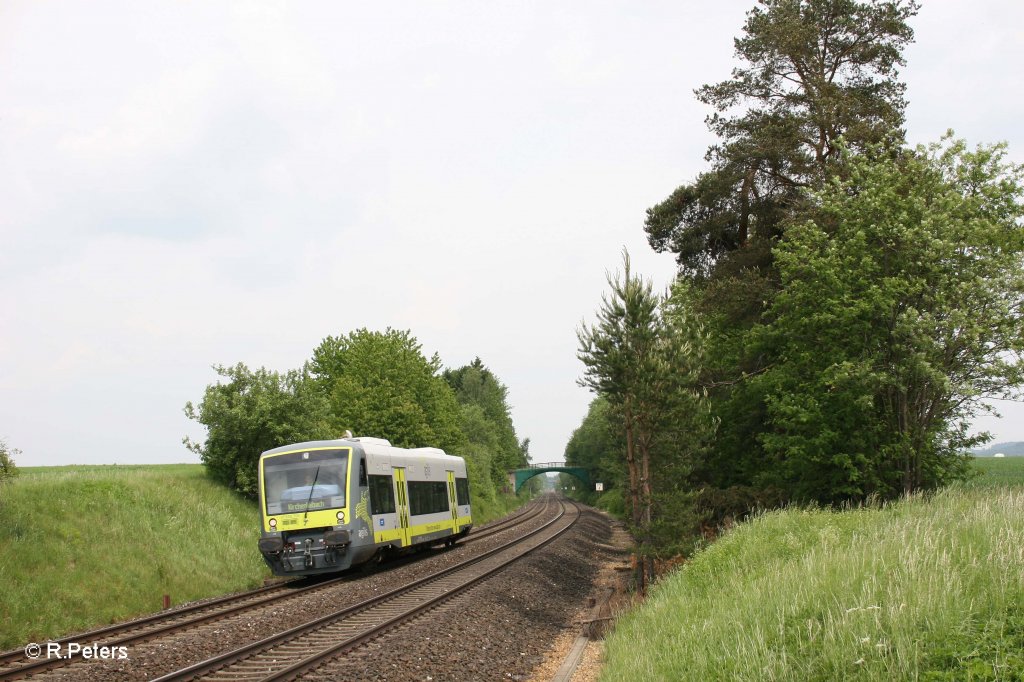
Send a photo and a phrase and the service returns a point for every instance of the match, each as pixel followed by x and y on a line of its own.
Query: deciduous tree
pixel 597 445
pixel 251 412
pixel 477 386
pixel 902 308
pixel 381 384
pixel 7 468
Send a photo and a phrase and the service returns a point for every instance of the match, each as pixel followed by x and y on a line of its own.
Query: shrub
pixel 7 468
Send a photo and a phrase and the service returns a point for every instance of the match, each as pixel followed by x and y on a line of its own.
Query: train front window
pixel 300 482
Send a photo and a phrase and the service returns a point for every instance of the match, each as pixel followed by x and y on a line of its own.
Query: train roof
pixel 369 445
pixel 309 445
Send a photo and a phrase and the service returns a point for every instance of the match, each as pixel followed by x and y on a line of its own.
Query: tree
pixel 810 72
pixel 381 384
pixel 371 383
pixel 813 71
pixel 641 357
pixel 902 308
pixel 618 354
pixel 477 387
pixel 597 444
pixel 7 468
pixel 252 412
pixel 486 477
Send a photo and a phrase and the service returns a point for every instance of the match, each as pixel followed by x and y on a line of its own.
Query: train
pixel 328 505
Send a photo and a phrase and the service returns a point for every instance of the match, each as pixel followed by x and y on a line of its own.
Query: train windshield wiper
pixel 311 489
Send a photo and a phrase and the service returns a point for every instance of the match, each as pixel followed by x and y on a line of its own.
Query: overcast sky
pixel 194 183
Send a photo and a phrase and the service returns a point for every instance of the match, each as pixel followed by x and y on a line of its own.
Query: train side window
pixel 382 496
pixel 462 491
pixel 427 497
pixel 362 471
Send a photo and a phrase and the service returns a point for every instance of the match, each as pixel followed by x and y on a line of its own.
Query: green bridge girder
pixel 518 477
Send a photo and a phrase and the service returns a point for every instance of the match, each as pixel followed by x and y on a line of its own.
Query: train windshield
pixel 308 481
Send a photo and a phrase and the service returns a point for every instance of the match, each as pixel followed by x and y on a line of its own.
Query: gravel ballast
pixel 501 629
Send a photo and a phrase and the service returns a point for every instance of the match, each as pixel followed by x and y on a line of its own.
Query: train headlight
pixel 341 517
pixel 273 523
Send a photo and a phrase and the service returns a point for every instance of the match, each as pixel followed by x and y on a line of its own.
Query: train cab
pixel 329 505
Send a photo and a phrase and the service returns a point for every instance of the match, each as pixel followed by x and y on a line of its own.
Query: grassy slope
pixel 85 546
pixel 928 588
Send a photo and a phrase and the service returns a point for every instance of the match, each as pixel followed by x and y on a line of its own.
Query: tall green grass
pixel 929 588
pixel 85 546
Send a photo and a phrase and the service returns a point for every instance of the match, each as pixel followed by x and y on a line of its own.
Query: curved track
pixel 293 652
pixel 14 664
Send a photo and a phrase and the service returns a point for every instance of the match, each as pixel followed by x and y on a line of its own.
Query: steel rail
pixel 171 622
pixel 140 630
pixel 224 660
pixel 531 511
pixel 322 656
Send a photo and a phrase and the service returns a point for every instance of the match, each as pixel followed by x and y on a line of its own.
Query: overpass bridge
pixel 518 477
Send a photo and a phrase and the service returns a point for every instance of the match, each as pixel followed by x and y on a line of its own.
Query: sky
pixel 184 184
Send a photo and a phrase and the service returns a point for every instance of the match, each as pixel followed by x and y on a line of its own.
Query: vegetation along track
pixel 15 665
pixel 291 653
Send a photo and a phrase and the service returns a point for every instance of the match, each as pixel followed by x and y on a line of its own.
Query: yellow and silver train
pixel 331 504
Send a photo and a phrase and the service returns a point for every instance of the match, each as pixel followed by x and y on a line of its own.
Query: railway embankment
pixel 501 625
pixel 87 546
pixel 929 587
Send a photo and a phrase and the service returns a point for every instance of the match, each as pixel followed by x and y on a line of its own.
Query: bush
pixel 718 507
pixel 611 501
pixel 253 412
pixel 7 468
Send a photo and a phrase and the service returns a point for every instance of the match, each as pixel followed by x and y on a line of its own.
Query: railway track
pixel 14 664
pixel 526 512
pixel 289 654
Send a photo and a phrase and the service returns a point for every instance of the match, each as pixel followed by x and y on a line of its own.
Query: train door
pixel 453 503
pixel 401 505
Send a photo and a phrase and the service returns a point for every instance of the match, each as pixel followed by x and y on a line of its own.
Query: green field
pixel 928 588
pixel 1001 471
